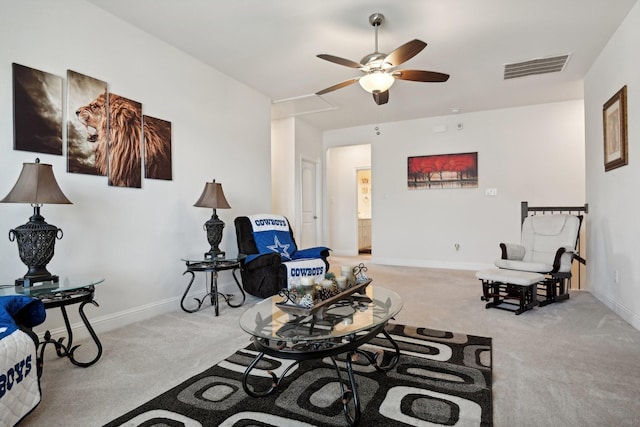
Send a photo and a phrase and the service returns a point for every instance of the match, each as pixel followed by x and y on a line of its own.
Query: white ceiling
pixel 271 46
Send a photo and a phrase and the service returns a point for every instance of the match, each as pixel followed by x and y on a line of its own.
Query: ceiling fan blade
pixel 381 97
pixel 340 61
pixel 338 86
pixel 421 76
pixel 405 52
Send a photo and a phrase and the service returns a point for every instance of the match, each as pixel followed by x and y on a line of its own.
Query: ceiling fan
pixel 379 68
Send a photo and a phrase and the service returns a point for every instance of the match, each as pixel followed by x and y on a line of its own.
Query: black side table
pixel 67 291
pixel 212 267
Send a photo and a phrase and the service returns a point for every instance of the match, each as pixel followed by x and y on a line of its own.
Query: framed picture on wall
pixel 614 123
pixel 458 170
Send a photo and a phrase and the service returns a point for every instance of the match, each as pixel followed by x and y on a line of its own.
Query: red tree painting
pixel 443 171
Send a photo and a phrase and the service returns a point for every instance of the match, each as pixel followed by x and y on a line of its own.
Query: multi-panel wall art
pixel 443 171
pixel 107 134
pixel 37 111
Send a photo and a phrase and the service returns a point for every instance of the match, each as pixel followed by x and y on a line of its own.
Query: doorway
pixel 363 184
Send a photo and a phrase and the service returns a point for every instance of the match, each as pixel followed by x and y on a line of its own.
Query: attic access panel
pixel 550 64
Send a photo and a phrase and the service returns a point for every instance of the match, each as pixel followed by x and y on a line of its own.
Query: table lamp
pixel 213 197
pixel 36 239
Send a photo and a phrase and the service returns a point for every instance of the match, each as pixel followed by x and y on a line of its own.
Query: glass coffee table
pixel 344 327
pixel 66 291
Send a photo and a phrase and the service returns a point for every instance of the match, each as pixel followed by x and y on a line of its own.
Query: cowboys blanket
pixel 19 382
pixel 272 233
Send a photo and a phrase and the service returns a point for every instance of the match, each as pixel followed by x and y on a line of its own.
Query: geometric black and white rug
pixel 442 378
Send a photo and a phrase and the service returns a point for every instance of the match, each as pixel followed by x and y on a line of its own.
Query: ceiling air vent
pixel 551 64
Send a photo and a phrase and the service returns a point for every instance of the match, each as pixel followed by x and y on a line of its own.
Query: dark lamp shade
pixel 36 185
pixel 212 197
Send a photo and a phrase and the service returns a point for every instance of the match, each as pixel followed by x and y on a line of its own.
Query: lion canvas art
pixel 81 90
pixel 114 127
pixel 157 148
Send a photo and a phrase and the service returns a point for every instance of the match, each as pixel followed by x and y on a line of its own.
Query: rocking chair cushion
pixel 512 251
pixel 520 278
pixel 534 267
pixel 547 245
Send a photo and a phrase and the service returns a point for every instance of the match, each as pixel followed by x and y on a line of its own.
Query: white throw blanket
pixel 304 268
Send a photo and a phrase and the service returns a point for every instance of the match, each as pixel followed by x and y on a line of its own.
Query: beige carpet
pixel 573 363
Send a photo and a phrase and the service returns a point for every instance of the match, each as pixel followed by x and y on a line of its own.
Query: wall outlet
pixel 457 246
pixel 491 192
pixel 616 277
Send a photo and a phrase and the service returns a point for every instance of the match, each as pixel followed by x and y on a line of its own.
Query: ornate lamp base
pixel 214 227
pixel 36 242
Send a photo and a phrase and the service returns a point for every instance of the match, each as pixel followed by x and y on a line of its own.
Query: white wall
pixel 613 227
pixel 533 153
pixel 292 140
pixel 283 171
pixel 308 147
pixel 134 238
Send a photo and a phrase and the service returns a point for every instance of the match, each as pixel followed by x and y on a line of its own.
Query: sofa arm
pixel 317 252
pixel 512 251
pixel 261 261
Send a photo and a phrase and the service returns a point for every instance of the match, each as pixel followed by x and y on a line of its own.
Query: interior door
pixel 309 204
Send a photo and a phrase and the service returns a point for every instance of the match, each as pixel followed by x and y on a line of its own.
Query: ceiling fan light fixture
pixel 378 81
pixel 380 69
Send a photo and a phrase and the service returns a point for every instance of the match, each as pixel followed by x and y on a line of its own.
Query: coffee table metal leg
pixel 355 399
pixel 349 394
pixel 375 359
pixel 274 377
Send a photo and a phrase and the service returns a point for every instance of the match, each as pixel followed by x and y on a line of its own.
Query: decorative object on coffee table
pixel 213 197
pixel 36 239
pixel 319 308
pixel 360 273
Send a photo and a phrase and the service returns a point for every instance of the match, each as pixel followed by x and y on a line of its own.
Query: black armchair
pixel 264 271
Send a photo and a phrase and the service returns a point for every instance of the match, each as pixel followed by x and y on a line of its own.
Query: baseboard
pixel 620 309
pixel 343 252
pixel 447 265
pixel 102 324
